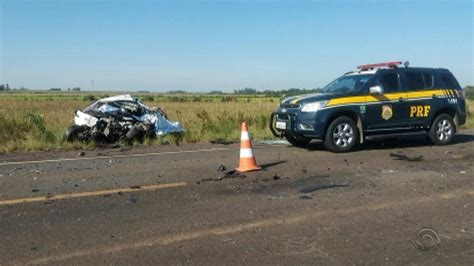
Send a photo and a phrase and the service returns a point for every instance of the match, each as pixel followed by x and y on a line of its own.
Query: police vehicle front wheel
pixel 442 130
pixel 341 135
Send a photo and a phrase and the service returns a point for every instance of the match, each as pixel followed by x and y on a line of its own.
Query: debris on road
pixel 233 174
pixel 222 141
pixel 427 239
pixel 82 153
pixel 134 187
pixel 221 168
pixel 112 119
pixel 35 190
pixel 276 177
pixel 403 157
pixel 131 199
pixel 229 174
pixel 305 197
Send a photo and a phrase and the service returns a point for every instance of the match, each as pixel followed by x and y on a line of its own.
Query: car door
pixel 386 110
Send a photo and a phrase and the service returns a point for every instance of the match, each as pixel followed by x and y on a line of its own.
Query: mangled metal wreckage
pixel 112 119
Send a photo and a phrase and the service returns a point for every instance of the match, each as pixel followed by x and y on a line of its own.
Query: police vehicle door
pixel 421 96
pixel 388 110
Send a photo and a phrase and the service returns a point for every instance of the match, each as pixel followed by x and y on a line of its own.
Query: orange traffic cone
pixel 247 158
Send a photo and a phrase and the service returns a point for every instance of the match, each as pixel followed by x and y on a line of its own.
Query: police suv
pixel 376 100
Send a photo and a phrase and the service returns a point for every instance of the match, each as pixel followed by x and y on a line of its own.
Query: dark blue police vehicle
pixel 376 100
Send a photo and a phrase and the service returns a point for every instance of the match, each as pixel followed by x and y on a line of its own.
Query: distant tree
pixel 2 87
pixel 7 87
pixel 177 92
pixel 246 91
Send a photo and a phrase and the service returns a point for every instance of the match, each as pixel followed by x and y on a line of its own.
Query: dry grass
pixel 470 115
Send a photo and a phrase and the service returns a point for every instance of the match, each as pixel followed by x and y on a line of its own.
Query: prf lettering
pixel 419 111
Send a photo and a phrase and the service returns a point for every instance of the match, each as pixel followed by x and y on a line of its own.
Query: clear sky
pixel 224 45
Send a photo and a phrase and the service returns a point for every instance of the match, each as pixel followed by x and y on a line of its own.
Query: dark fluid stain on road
pixel 403 157
pixel 320 187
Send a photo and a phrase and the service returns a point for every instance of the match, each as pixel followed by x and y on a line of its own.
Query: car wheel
pixel 442 130
pixel 73 133
pixel 341 135
pixel 297 140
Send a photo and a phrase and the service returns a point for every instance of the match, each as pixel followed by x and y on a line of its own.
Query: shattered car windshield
pixel 347 84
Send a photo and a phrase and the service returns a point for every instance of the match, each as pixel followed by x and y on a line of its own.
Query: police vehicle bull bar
pixel 273 129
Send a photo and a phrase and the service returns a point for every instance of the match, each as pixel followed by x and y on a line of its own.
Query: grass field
pixel 37 121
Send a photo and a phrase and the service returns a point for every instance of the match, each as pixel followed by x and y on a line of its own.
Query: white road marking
pixel 113 156
pixel 126 156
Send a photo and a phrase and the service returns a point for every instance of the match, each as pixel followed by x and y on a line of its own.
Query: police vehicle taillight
pixel 378 65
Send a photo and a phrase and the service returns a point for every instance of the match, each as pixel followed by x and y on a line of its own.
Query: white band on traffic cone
pixel 246 153
pixel 244 135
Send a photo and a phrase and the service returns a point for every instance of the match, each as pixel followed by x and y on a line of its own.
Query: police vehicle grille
pixel 285 116
pixel 289 105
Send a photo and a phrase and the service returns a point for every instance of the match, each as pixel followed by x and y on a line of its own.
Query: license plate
pixel 280 125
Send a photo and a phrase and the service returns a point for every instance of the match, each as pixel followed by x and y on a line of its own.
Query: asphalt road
pixel 393 202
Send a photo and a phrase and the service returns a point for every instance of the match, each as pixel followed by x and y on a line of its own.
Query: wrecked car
pixel 117 118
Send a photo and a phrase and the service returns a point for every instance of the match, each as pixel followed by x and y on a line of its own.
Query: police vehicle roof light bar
pixel 372 66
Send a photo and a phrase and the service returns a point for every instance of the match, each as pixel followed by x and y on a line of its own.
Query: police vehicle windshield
pixel 347 84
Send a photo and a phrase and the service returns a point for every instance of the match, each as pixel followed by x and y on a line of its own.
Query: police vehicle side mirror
pixel 375 90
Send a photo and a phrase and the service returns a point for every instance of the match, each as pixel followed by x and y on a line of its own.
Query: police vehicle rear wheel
pixel 341 135
pixel 442 130
pixel 296 140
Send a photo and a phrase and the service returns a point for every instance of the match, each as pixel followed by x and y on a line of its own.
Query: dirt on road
pixel 390 202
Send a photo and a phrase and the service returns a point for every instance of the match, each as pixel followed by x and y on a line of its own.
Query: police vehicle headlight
pixel 313 107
